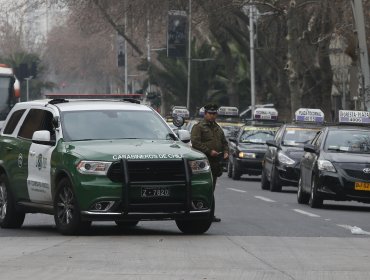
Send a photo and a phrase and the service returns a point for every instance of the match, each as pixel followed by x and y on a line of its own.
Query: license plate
pixel 361 186
pixel 155 192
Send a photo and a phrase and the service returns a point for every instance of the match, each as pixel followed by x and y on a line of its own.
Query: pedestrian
pixel 208 137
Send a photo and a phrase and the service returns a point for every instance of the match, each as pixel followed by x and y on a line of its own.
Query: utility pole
pixel 126 62
pixel 252 67
pixel 27 86
pixel 189 57
pixel 358 15
pixel 148 48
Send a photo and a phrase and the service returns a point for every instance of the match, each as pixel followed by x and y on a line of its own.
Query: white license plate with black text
pixel 155 192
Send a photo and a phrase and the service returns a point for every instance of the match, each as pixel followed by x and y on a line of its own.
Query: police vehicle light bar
pixel 228 111
pixel 346 116
pixel 309 115
pixel 266 114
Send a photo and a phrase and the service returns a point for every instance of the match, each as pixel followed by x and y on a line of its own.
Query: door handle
pixel 32 153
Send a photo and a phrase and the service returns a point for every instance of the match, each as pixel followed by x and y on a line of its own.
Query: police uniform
pixel 207 136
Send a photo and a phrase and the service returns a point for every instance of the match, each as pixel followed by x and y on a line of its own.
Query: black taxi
pixel 247 149
pixel 336 164
pixel 281 164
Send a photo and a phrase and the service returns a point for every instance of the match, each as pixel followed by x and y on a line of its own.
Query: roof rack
pixel 58 101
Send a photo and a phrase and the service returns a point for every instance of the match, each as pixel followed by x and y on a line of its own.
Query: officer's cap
pixel 211 108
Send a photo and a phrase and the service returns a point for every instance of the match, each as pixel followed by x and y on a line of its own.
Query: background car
pixel 281 164
pixel 248 148
pixel 336 164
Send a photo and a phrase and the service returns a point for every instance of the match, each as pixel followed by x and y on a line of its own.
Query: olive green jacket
pixel 207 136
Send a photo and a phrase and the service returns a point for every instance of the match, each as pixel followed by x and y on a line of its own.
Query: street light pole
pixel 252 67
pixel 189 58
pixel 126 62
pixel 27 87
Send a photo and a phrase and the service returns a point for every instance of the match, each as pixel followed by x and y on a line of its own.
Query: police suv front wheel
pixel 9 216
pixel 66 211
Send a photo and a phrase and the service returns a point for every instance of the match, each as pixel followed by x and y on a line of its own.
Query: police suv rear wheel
pixel 66 211
pixel 9 216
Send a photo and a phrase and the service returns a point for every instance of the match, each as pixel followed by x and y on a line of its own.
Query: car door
pixel 311 159
pixel 271 153
pixel 39 165
pixel 305 165
pixel 10 155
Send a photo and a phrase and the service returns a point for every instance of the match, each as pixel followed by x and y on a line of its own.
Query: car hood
pixel 295 153
pixel 113 150
pixel 252 147
pixel 347 158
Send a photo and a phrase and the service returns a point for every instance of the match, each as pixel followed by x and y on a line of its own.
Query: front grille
pixel 358 174
pixel 149 171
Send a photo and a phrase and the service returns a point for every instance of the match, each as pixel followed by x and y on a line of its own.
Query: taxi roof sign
pixel 347 116
pixel 228 111
pixel 266 114
pixel 309 115
pixel 180 112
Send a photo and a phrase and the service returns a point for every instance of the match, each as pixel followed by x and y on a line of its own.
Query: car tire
pixel 67 214
pixel 198 226
pixel 265 184
pixel 302 197
pixel 235 173
pixel 315 200
pixel 229 169
pixel 9 216
pixel 126 224
pixel 275 184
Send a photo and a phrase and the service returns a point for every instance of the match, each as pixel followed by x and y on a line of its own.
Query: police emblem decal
pixel 39 161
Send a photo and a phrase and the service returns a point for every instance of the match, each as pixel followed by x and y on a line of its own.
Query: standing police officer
pixel 208 137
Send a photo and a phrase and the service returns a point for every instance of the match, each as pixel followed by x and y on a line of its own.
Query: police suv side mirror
pixel 309 148
pixel 42 137
pixel 184 135
pixel 271 143
pixel 178 121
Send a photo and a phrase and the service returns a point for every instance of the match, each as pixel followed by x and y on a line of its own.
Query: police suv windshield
pixel 348 141
pixel 113 124
pixel 296 136
pixel 256 136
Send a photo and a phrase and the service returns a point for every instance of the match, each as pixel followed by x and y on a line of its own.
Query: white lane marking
pixel 355 230
pixel 236 190
pixel 306 213
pixel 265 198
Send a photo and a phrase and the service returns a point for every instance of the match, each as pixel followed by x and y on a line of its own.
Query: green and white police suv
pixel 99 160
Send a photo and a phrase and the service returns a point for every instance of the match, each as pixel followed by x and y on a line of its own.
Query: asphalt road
pixel 263 235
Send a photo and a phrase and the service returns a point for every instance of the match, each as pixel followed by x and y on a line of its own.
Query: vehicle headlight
pixel 93 167
pixel 247 155
pixel 325 165
pixel 284 159
pixel 199 166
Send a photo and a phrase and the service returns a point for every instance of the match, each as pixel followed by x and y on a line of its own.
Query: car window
pixel 256 136
pixel 297 136
pixel 317 140
pixel 349 141
pixel 13 121
pixel 36 119
pixel 113 124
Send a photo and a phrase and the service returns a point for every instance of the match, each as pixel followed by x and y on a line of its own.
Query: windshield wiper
pixel 337 150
